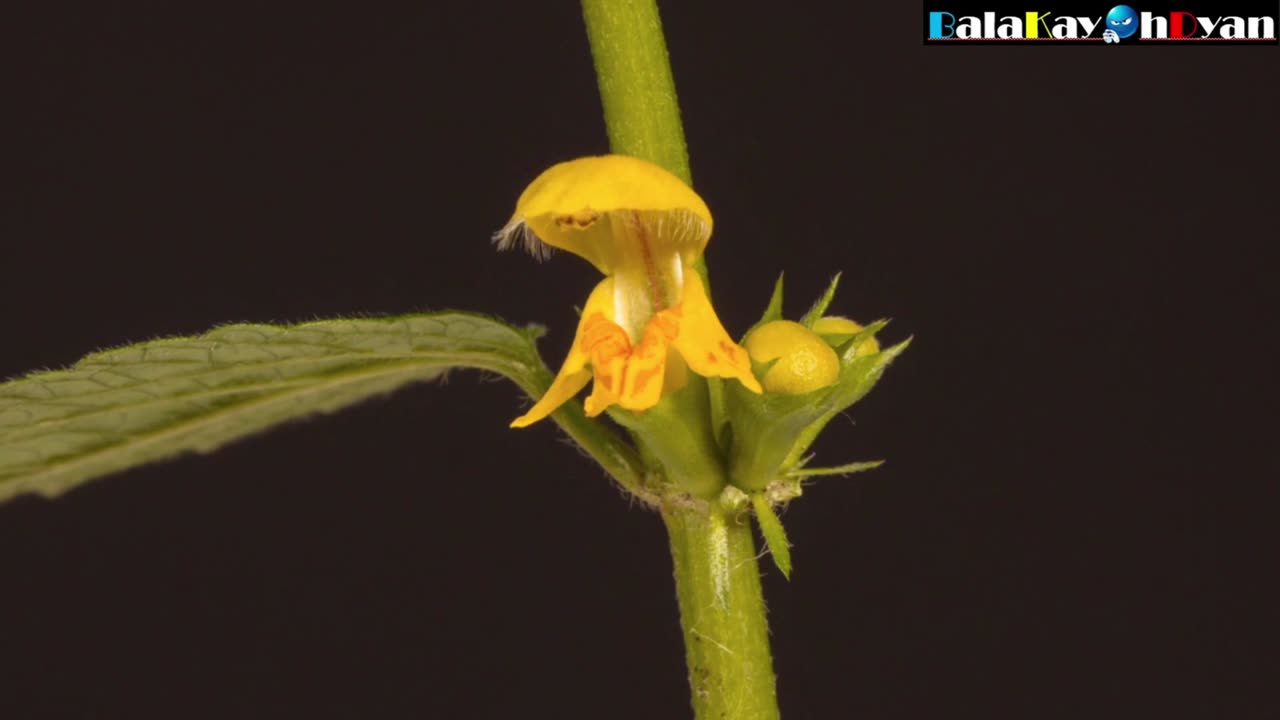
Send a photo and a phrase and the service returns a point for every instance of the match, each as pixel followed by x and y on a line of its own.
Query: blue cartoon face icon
pixel 1122 20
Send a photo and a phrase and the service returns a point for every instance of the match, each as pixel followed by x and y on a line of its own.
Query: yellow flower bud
pixel 843 328
pixel 805 362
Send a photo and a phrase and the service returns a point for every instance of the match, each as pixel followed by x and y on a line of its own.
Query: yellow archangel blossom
pixel 650 319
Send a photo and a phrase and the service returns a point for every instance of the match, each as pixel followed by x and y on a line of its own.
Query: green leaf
pixel 848 469
pixel 822 303
pixel 121 408
pixel 775 537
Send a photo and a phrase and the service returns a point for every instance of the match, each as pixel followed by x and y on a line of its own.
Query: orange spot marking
pixel 622 381
pixel 665 324
pixel 603 339
pixel 711 358
pixel 643 377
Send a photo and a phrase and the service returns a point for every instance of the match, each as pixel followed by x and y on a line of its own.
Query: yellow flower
pixel 650 317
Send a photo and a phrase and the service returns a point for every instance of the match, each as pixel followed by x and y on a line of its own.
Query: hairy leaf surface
pixel 121 408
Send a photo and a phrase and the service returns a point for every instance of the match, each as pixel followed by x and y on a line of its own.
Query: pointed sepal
pixel 820 306
pixel 847 469
pixel 775 537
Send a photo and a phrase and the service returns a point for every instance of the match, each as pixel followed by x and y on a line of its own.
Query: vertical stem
pixel 722 611
pixel 717 578
pixel 636 88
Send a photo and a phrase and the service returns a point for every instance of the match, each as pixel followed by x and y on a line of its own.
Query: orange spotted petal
pixel 703 341
pixel 574 374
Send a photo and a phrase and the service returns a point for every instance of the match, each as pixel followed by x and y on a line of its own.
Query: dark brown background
pixel 1071 522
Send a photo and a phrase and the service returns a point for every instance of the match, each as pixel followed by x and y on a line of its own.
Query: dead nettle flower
pixel 649 320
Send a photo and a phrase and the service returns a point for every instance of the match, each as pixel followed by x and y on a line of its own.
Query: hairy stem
pixel 722 611
pixel 636 88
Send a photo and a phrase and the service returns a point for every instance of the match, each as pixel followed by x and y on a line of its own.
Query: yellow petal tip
pixel 523 421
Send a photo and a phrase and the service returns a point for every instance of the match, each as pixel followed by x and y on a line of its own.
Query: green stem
pixel 717 578
pixel 722 610
pixel 639 95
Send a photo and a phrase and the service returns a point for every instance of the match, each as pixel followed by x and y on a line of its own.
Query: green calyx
pixel 676 437
pixel 771 433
